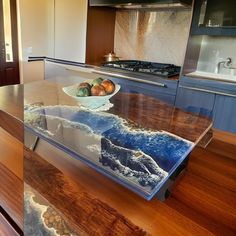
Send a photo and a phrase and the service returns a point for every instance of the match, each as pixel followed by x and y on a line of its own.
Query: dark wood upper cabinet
pixel 100 34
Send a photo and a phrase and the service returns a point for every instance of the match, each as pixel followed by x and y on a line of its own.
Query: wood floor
pixel 208 192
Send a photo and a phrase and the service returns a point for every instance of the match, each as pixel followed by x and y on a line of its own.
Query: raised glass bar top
pixel 139 142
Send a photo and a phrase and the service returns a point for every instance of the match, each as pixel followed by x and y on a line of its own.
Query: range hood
pixel 142 4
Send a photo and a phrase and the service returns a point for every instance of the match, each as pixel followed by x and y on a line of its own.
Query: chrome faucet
pixel 227 64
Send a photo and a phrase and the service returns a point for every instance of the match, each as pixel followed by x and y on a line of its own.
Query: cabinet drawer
pixel 164 90
pixel 195 101
pixel 224 113
pixel 211 86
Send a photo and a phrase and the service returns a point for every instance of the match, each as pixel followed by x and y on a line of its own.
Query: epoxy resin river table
pixel 141 142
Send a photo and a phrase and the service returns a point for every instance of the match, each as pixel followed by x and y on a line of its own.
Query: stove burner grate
pixel 159 69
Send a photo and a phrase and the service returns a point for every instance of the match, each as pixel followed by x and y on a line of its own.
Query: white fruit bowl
pixel 90 102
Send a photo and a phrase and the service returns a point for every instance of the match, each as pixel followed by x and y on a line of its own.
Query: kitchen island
pixel 61 188
pixel 138 141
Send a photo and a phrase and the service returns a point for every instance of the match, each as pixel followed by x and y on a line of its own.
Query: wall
pixel 158 36
pixel 70 29
pixel 215 49
pixel 36 35
pixel 37 27
pixel 53 28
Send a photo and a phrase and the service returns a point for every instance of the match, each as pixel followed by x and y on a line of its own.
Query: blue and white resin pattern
pixel 33 220
pixel 43 219
pixel 139 157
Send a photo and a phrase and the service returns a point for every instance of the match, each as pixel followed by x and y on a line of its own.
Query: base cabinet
pixel 195 101
pixel 224 113
pixel 214 99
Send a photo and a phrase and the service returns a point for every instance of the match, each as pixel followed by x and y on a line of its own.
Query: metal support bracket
pixel 31 140
pixel 167 188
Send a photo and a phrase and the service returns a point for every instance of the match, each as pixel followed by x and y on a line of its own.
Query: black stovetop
pixel 152 68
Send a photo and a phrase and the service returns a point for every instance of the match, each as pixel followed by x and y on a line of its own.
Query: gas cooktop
pixel 152 68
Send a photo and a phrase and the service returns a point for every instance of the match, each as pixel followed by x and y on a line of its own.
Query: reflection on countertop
pixel 154 137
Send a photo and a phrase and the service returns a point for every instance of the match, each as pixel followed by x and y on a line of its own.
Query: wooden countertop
pixel 145 111
pixel 11 157
pixel 202 203
pixel 11 100
pixel 6 228
pixel 11 195
pixel 11 110
pixel 100 138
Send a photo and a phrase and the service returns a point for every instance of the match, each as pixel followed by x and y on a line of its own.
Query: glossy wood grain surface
pixel 11 195
pixel 203 202
pixel 11 152
pixel 5 228
pixel 151 113
pixel 11 100
pixel 89 215
pixel 225 143
pixel 11 110
pixel 144 111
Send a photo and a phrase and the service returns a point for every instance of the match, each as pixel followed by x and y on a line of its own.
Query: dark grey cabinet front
pixel 224 113
pixel 194 100
pixel 213 99
pixel 163 89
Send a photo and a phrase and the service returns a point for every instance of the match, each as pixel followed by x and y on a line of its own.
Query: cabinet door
pixel 195 101
pixel 225 113
pixel 70 29
pixel 165 91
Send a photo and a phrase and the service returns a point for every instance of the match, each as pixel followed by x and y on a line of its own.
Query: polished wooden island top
pixel 202 203
pixel 11 110
pixel 11 158
pixel 145 111
pixel 140 141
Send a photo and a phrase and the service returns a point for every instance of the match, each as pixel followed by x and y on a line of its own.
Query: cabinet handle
pixel 208 91
pixel 129 78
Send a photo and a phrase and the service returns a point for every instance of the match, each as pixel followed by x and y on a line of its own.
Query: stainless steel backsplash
pixel 215 49
pixel 158 36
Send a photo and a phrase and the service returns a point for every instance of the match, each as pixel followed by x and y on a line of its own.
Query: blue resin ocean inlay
pixel 43 219
pixel 141 157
